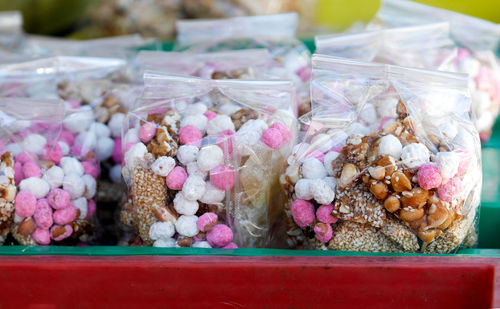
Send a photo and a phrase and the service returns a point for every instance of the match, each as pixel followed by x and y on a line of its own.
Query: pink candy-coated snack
pixel 429 177
pixel 219 236
pixel 317 155
pixel 176 178
pixel 25 204
pixel 231 245
pixel 272 138
pixel 59 198
pixel 337 149
pixel 31 169
pixel 76 150
pixel 147 132
pixel 24 157
pixel 324 214
pixel 67 137
pixel 67 233
pixel 190 135
pixel 465 160
pixel 304 73
pixel 91 208
pixel 210 115
pixel 303 213
pixel 117 151
pixel 225 141
pixel 285 132
pixel 222 177
pixel 18 172
pixel 323 232
pixel 43 214
pixel 52 152
pixel 206 221
pixel 65 215
pixel 450 189
pixel 41 236
pixel 90 168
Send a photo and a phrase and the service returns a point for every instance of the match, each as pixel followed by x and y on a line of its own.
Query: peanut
pixel 437 215
pixel 185 242
pixel 429 235
pixel 416 198
pixel 26 227
pixel 349 173
pixel 379 189
pixel 392 203
pixel 400 182
pixel 411 215
pixel 377 172
pixel 388 163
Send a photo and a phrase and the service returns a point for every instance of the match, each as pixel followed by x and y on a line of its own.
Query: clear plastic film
pixel 11 33
pixel 390 163
pixel 203 159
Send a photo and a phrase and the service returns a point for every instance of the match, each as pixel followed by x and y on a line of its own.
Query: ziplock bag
pixel 203 159
pixel 391 161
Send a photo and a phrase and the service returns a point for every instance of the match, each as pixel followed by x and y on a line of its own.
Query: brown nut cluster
pixel 242 116
pixel 166 139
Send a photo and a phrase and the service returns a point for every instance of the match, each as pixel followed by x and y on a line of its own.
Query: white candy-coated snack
pixel 448 129
pixel 87 140
pixel 201 244
pixel 54 176
pixel 104 148
pixel 193 169
pixel 390 146
pixel 249 134
pixel 187 153
pixel 184 206
pixel 115 124
pixel 161 230
pixel 195 109
pixel 229 108
pixel 312 168
pixel 64 148
pixel 79 121
pixel 331 182
pixel 199 121
pixel 209 157
pixel 100 129
pixel 135 155
pixel 212 195
pixel 414 155
pixel 165 243
pixel 34 143
pixel 219 124
pixel 193 188
pixel 327 162
pixel 303 189
pixel 115 173
pixel 72 165
pixel 73 183
pixel 447 163
pixel 322 192
pixel 186 226
pixel 90 186
pixel 13 148
pixel 82 205
pixel 323 142
pixel 39 187
pixel 163 165
pixel 132 136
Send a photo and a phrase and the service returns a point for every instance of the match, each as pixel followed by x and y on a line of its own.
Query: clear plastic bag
pixel 200 151
pixel 391 161
pixel 11 33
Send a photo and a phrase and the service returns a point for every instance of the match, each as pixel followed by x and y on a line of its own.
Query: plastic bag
pixel 200 151
pixel 391 161
pixel 479 41
pixel 11 32
pixel 49 172
pixel 272 32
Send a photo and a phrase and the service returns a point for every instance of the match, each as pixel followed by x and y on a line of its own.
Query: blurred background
pixel 85 19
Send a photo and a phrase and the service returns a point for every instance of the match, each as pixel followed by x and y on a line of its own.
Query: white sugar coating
pixel 322 192
pixel 464 140
pixel 212 195
pixel 64 148
pixel 193 169
pixel 229 108
pixel 186 226
pixel 13 148
pixel 82 205
pixel 90 186
pixel 481 101
pixel 327 162
pixel 163 166
pixel 161 230
pixel 115 173
pixel 323 142
pixel 447 163
pixel 104 148
pixel 54 176
pixel 115 124
pixel 209 157
pixel 414 155
pixel 469 66
pixel 135 155
pixel 448 129
pixel 387 107
pixel 132 136
pixel 193 188
pixel 312 168
pixel 100 129
pixel 165 243
pixel 184 206
pixel 79 121
pixel 199 121
pixel 34 143
pixel 187 153
pixel 303 189
pixel 390 146
pixel 368 114
pixel 219 124
pixel 39 187
pixel 88 140
pixel 195 109
pixel 201 244
pixel 331 182
pixel 484 122
pixel 74 184
pixel 71 165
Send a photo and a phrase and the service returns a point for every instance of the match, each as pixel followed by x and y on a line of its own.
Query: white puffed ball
pixel 115 173
pixel 54 176
pixel 229 108
pixel 135 155
pixel 74 184
pixel 39 187
pixel 447 163
pixel 104 148
pixel 88 140
pixel 201 244
pixel 193 188
pixel 322 192
pixel 303 189
pixel 100 129
pixel 161 230
pixel 132 136
pixel 193 169
pixel 312 168
pixel 331 182
pixel 390 146
pixel 248 135
pixel 163 166
pixel 209 157
pixel 115 124
pixel 165 243
pixel 82 205
pixel 327 162
pixel 199 121
pixel 184 206
pixel 213 195
pixel 219 124
pixel 322 142
pixel 195 109
pixel 186 226
pixel 187 153
pixel 64 148
pixel 34 143
pixel 448 129
pixel 79 121
pixel 415 155
pixel 368 114
pixel 72 165
pixel 90 186
pixel 13 148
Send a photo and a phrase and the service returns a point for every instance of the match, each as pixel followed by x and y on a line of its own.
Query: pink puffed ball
pixel 219 236
pixel 31 169
pixel 91 208
pixel 225 141
pixel 18 172
pixel 117 151
pixel 65 215
pixel 222 177
pixel 66 234
pixel 43 214
pixel 190 135
pixel 429 177
pixel 285 132
pixel 52 152
pixel 90 168
pixel 465 160
pixel 231 245
pixel 24 157
pixel 206 221
pixel 41 236
pixel 147 132
pixel 76 150
pixel 176 178
pixel 303 213
pixel 25 204
pixel 450 189
pixel 324 214
pixel 67 136
pixel 59 198
pixel 272 138
pixel 210 115
pixel 317 155
pixel 323 232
